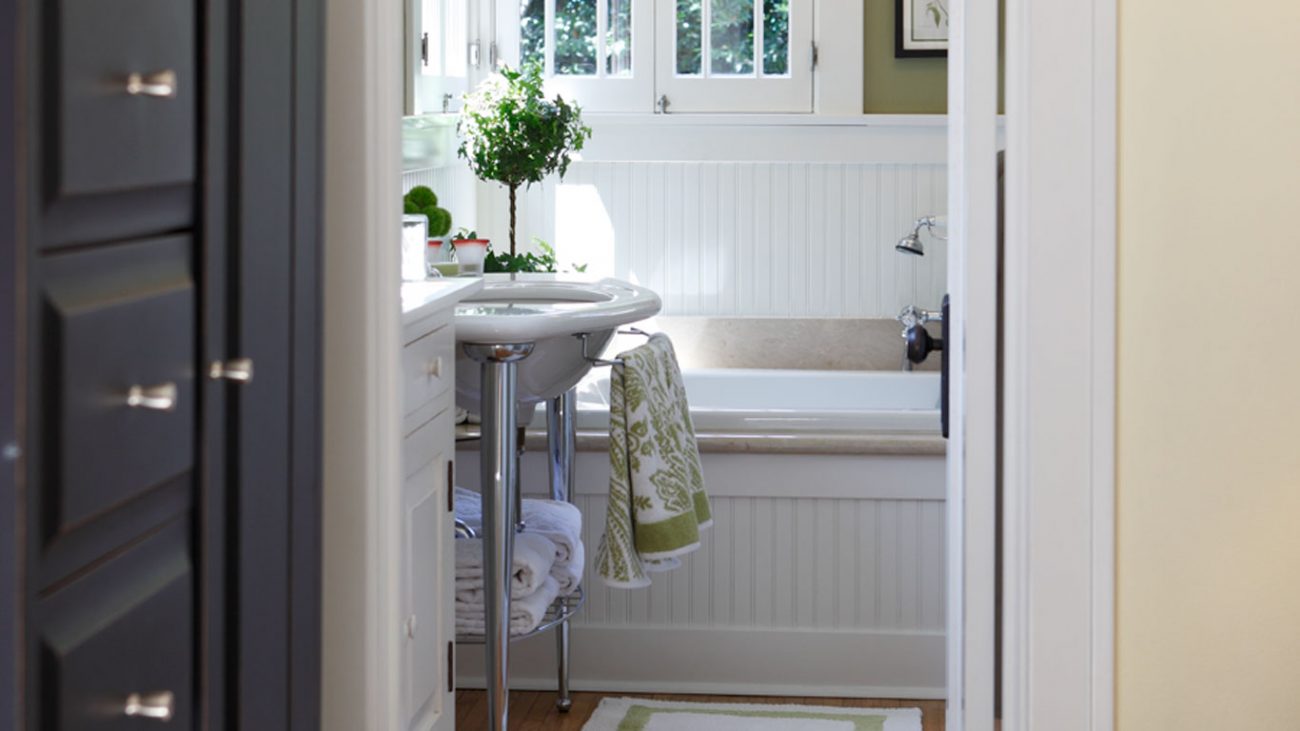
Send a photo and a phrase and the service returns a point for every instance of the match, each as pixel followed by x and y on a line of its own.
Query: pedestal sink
pixel 518 346
pixel 547 310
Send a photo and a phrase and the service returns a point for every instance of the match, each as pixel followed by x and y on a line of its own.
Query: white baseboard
pixel 729 661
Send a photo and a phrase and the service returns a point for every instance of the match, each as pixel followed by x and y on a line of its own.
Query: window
pixel 670 55
pixel 438 71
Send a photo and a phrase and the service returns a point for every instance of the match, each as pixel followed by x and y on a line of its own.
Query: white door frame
pixel 1059 377
pixel 973 355
pixel 1059 366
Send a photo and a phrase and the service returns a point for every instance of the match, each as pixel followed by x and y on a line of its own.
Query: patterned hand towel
pixel 657 503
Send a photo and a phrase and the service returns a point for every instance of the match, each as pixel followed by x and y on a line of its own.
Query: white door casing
pixel 973 292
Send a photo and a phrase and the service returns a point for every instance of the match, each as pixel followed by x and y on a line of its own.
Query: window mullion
pixel 602 25
pixel 548 37
pixel 706 38
pixel 758 39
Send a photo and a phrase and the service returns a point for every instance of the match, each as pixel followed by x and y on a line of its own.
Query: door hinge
pixel 815 55
pixel 661 105
pixel 424 49
pixel 475 54
pixel 451 486
pixel 451 667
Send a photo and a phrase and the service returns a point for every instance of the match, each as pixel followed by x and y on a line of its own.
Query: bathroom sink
pixel 547 310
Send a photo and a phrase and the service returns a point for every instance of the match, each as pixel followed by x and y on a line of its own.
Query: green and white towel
pixel 657 503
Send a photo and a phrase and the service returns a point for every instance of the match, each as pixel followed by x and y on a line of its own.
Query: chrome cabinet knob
pixel 160 84
pixel 161 397
pixel 158 706
pixel 239 370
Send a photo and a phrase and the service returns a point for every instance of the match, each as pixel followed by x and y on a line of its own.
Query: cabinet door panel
pixel 427 580
pixel 123 629
pixel 118 320
pixel 105 138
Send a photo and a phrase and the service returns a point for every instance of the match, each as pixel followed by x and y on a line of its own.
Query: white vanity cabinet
pixel 425 571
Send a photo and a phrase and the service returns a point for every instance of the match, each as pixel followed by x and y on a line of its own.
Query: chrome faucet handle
pixel 912 316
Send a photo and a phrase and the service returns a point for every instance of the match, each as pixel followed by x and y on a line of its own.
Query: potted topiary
pixel 511 134
pixel 422 201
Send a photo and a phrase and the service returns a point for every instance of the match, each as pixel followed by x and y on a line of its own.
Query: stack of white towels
pixel 548 563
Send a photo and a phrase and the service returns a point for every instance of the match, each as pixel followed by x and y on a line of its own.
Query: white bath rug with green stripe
pixel 640 714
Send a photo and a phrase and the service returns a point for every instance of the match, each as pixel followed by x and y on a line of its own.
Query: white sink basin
pixel 546 310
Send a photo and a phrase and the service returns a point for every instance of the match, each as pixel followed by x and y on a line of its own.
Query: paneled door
pixel 158 430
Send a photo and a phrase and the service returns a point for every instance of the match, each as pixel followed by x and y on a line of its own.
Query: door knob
pixel 158 706
pixel 239 370
pixel 920 344
pixel 161 397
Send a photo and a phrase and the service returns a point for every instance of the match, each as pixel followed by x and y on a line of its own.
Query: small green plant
pixel 527 262
pixel 422 200
pixel 465 234
pixel 511 134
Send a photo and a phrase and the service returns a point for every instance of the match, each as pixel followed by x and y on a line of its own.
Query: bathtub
pixel 823 574
pixel 782 402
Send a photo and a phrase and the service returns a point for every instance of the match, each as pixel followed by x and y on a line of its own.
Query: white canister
pixel 415 232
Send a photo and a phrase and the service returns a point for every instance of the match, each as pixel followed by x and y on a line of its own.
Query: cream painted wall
pixel 1209 366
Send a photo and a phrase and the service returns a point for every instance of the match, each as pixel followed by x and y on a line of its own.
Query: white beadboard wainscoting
pixel 822 576
pixel 730 238
pixel 803 239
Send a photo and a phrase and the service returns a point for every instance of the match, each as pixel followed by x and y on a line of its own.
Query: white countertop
pixel 421 299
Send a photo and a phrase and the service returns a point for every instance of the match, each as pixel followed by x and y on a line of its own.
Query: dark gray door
pixel 159 512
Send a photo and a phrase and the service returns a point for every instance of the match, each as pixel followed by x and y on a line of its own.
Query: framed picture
pixel 920 28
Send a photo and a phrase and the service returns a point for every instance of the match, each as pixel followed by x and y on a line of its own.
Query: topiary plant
pixel 422 200
pixel 511 134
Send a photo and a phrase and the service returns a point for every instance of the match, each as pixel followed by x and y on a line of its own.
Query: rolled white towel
pixel 534 557
pixel 560 522
pixel 569 573
pixel 525 612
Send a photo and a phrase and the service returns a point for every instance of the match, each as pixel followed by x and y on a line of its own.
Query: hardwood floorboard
pixel 536 711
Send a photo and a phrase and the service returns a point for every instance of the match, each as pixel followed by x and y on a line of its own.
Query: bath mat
pixel 639 714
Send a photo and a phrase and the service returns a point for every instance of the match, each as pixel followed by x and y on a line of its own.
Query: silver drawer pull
pixel 158 706
pixel 160 84
pixel 433 368
pixel 156 398
pixel 239 370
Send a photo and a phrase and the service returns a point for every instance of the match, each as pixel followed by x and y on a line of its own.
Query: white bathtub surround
pixel 828 555
pixel 657 504
pixel 788 343
pixel 616 713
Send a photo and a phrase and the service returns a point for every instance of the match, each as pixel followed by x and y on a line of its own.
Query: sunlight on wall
pixel 584 233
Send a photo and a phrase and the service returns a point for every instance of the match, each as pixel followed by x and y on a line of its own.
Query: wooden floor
pixel 530 711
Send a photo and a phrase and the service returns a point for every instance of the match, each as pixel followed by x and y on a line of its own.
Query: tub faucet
pixel 913 316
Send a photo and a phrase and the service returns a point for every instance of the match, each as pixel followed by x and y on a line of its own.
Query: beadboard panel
pixel 787 563
pixel 743 238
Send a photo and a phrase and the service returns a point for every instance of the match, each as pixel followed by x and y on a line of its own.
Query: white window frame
pixel 789 94
pixel 653 76
pixel 599 93
pixel 430 89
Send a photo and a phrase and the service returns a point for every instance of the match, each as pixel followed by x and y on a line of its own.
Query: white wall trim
pixel 1059 428
pixel 362 347
pixel 972 344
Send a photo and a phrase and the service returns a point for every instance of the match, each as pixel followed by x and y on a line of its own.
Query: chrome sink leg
pixel 561 442
pixel 498 451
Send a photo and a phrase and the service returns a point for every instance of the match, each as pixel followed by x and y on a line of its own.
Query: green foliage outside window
pixel 732 34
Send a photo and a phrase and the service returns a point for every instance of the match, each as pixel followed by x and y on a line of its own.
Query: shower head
pixel 910 244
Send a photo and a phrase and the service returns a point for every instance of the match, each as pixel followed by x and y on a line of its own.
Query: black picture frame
pixel 901 7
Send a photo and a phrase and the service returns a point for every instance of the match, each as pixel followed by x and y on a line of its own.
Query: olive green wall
pixel 898 85
pixel 904 85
